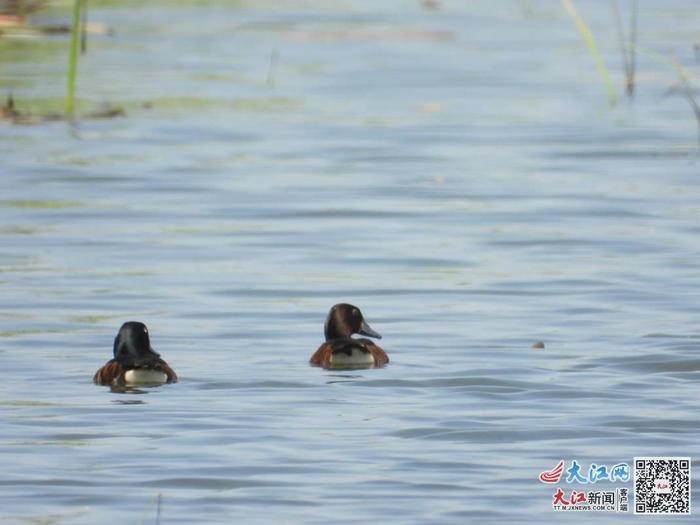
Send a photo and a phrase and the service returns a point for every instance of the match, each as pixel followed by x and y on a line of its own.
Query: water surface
pixel 456 173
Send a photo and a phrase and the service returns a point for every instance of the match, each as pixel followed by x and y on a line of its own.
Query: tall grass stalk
pixel 686 89
pixel 687 85
pixel 683 74
pixel 628 46
pixel 73 58
pixel 587 34
pixel 695 107
pixel 159 503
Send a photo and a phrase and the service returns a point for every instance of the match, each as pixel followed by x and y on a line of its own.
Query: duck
pixel 134 362
pixel 340 350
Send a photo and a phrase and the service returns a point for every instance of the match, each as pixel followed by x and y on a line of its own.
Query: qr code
pixel 662 485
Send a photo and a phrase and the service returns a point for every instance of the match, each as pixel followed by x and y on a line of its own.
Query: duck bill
pixel 367 330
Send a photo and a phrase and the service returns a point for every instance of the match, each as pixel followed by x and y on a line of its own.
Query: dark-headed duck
pixel 342 351
pixel 135 362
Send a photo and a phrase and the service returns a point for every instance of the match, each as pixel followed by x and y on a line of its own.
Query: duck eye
pixel 145 330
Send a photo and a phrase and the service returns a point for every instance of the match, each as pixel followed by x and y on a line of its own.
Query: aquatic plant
pixel 159 504
pixel 628 44
pixel 20 8
pixel 686 88
pixel 587 35
pixel 694 106
pixel 73 56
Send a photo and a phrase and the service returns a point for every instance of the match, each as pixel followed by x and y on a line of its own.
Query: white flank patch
pixel 148 377
pixel 357 358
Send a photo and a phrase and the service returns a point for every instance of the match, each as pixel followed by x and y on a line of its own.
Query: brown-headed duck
pixel 342 351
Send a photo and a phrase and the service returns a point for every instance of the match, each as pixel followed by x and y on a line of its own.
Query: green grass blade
pixel 73 58
pixel 588 38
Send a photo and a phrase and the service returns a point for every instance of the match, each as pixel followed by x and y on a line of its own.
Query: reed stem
pixel 628 46
pixel 587 35
pixel 73 58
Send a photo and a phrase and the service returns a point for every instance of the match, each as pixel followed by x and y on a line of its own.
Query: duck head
pixel 344 320
pixel 133 345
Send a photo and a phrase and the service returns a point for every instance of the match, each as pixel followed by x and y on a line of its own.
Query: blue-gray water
pixel 457 173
